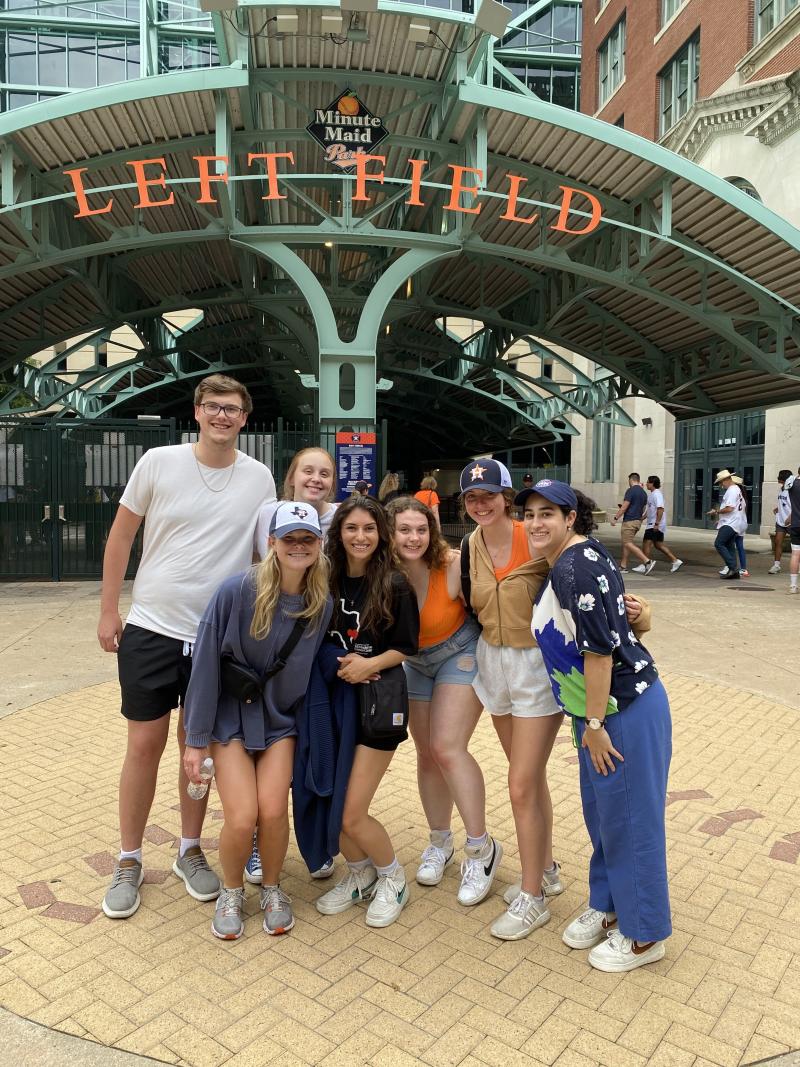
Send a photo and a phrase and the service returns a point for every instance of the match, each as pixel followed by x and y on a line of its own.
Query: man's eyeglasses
pixel 230 410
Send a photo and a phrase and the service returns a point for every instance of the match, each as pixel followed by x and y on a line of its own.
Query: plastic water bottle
pixel 197 790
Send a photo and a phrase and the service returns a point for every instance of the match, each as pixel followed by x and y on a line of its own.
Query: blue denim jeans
pixel 725 544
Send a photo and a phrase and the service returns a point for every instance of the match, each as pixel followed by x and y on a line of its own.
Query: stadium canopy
pixel 332 204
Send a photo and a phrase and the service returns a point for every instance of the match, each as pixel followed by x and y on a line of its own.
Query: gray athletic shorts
pixel 513 681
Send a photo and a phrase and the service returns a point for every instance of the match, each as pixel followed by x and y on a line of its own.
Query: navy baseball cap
pixel 487 474
pixel 291 515
pixel 556 492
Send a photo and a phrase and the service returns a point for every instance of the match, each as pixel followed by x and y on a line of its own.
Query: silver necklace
pixel 211 488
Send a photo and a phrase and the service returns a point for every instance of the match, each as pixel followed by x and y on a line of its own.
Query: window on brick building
pixel 669 8
pixel 611 62
pixel 769 13
pixel 745 185
pixel 678 84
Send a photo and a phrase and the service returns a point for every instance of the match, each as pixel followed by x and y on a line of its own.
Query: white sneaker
pixel 649 566
pixel 433 862
pixel 792 589
pixel 724 571
pixel 325 871
pixel 391 896
pixel 775 568
pixel 551 886
pixel 478 869
pixel 624 570
pixel 525 915
pixel 619 953
pixel 640 569
pixel 353 887
pixel 588 929
pixel 676 566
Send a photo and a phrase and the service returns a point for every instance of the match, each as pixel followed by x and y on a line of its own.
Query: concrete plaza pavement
pixel 434 988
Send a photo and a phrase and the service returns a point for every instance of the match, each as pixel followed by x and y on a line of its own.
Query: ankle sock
pixel 553 869
pixel 390 871
pixel 360 865
pixel 187 843
pixel 792 581
pixel 136 854
pixel 478 842
pixel 442 839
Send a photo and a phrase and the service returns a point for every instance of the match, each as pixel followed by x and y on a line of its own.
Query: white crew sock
pixel 136 854
pixel 187 843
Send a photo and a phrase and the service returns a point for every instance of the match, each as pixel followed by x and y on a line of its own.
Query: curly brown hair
pixel 381 566
pixel 437 551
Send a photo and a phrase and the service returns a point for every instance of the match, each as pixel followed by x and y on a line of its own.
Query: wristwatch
pixel 595 724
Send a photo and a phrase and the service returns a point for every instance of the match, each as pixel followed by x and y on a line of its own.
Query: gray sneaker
pixel 227 923
pixel 277 908
pixel 193 868
pixel 551 885
pixel 122 896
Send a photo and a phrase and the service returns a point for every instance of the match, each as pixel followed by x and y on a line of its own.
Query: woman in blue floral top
pixel 607 682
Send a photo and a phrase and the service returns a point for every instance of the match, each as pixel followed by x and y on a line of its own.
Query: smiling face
pixel 220 429
pixel 548 528
pixel 297 551
pixel 312 478
pixel 360 538
pixel 411 535
pixel 484 507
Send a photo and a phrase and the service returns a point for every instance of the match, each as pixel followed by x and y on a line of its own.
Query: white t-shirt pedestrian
pixel 737 519
pixel 199 529
pixel 783 516
pixel 265 518
pixel 655 500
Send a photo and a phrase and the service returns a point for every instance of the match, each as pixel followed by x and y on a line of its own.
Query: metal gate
pixel 60 483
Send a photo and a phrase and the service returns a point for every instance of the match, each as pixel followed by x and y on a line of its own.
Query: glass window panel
pixel 564 88
pixel 82 62
pixel 22 58
pixel 52 60
pixel 538 80
pixel 133 61
pixel 110 62
pixel 564 20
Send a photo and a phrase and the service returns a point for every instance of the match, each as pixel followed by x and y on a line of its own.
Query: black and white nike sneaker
pixel 478 869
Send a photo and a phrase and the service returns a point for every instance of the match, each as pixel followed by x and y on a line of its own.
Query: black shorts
pixel 656 536
pixel 390 744
pixel 153 674
pixel 794 537
pixel 782 529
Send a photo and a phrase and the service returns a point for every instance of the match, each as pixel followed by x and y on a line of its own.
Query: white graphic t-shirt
pixel 655 500
pixel 737 519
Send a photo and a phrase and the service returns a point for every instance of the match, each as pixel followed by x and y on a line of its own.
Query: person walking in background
pixel 792 487
pixel 199 504
pixel 739 540
pixel 389 488
pixel 275 613
pixel 632 511
pixel 731 520
pixel 361 488
pixel 656 528
pixel 429 497
pixel 783 515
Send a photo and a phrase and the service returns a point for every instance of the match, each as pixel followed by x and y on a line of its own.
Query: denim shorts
pixel 451 662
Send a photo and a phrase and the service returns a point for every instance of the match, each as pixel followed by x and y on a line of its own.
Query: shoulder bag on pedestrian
pixel 247 684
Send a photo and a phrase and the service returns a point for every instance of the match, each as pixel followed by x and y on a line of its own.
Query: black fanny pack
pixel 383 705
pixel 245 683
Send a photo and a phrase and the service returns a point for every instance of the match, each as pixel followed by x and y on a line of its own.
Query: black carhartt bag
pixel 383 705
pixel 246 684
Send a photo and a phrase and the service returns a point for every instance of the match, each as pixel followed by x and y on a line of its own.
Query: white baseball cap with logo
pixel 291 515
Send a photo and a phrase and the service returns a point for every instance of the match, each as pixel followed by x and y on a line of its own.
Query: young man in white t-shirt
pixel 199 503
pixel 783 518
pixel 731 521
pixel 656 528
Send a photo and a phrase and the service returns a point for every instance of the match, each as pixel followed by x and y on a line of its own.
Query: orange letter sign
pixel 272 170
pixel 563 215
pixel 143 183
pixel 362 174
pixel 510 212
pixel 417 167
pixel 456 189
pixel 206 178
pixel 80 195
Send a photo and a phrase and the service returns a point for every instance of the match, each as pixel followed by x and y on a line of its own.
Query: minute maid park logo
pixel 345 129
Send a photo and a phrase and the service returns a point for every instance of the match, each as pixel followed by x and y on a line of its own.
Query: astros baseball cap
pixel 487 474
pixel 556 492
pixel 291 515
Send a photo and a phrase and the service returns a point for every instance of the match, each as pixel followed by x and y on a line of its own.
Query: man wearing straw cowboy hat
pixel 731 521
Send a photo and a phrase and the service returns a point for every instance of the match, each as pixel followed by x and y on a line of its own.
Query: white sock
pixel 442 838
pixel 792 581
pixel 360 865
pixel 478 842
pixel 136 854
pixel 391 871
pixel 187 843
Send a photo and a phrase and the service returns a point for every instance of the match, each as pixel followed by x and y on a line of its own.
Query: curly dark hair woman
pixel 381 566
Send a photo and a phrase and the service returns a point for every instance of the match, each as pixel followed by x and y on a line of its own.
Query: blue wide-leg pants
pixel 624 814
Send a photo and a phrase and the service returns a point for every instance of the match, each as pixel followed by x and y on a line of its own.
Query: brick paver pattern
pixel 434 988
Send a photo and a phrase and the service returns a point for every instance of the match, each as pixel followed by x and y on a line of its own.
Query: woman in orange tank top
pixel 444 709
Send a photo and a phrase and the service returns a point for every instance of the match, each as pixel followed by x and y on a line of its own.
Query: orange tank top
pixel 440 616
pixel 520 552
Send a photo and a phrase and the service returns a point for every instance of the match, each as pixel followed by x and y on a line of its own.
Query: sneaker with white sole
pixel 649 566
pixel 252 869
pixel 353 887
pixel 391 896
pixel 724 571
pixel 589 929
pixel 551 885
pixel 277 908
pixel 641 568
pixel 745 573
pixel 122 896
pixel 478 869
pixel 775 568
pixel 193 867
pixel 436 857
pixel 525 915
pixel 228 924
pixel 325 871
pixel 676 566
pixel 792 590
pixel 624 570
pixel 619 953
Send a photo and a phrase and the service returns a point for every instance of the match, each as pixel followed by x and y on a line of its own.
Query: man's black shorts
pixel 654 535
pixel 794 537
pixel 153 673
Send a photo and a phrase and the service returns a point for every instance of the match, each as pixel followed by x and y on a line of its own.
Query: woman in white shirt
pixel 310 479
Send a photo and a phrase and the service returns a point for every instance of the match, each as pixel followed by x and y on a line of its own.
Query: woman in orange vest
pixel 428 496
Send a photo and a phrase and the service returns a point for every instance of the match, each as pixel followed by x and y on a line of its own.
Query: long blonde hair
pixel 267 578
pixel 288 481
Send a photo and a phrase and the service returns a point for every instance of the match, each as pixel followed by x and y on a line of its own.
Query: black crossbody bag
pixel 246 684
pixel 383 705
